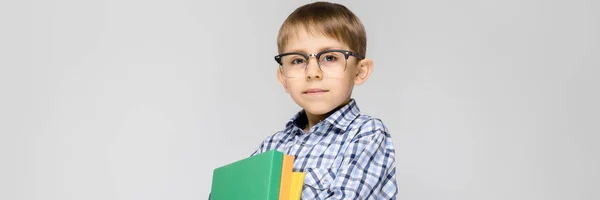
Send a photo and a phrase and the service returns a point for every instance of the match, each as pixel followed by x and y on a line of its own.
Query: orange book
pixel 296 186
pixel 286 177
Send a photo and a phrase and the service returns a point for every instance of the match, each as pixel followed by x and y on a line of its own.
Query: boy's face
pixel 318 93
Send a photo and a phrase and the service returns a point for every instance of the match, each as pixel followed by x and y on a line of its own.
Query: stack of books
pixel 265 176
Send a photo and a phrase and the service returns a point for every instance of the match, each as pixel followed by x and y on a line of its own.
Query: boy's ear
pixel 282 80
pixel 363 71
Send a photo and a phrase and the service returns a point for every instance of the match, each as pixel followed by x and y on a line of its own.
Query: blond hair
pixel 330 19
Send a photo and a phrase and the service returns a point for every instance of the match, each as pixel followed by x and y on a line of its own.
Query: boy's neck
pixel 313 119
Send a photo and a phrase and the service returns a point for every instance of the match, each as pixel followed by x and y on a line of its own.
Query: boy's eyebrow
pixel 320 50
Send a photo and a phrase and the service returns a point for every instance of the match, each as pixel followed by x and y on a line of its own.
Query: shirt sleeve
pixel 269 143
pixel 368 170
pixel 259 149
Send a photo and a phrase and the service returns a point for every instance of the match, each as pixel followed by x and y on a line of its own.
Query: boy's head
pixel 322 48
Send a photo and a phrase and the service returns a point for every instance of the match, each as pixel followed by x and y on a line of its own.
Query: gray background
pixel 493 99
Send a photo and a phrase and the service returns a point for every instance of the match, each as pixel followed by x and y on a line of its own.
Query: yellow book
pixel 296 186
pixel 286 177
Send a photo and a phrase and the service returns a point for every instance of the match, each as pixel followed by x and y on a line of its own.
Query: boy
pixel 344 154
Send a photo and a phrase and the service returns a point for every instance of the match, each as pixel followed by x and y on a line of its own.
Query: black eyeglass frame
pixel 346 53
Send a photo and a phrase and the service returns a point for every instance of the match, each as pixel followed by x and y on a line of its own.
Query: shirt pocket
pixel 319 178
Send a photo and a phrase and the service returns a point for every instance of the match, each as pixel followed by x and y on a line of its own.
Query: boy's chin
pixel 318 109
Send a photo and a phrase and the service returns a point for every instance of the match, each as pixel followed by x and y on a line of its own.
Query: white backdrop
pixel 131 99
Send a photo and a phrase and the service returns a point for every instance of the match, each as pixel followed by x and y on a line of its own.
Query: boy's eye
pixel 329 57
pixel 297 61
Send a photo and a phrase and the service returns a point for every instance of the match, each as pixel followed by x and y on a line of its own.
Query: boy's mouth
pixel 315 91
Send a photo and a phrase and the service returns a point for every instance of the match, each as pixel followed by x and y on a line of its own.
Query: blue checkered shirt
pixel 345 156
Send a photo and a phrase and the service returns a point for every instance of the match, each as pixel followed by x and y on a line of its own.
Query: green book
pixel 254 178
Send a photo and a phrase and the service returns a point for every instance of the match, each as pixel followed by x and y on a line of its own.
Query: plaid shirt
pixel 345 156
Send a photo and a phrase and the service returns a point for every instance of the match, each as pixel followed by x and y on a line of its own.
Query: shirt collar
pixel 341 118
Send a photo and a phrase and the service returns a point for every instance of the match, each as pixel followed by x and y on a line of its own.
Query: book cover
pixel 296 186
pixel 286 177
pixel 254 178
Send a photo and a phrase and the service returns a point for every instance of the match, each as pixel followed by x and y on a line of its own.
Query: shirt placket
pixel 293 146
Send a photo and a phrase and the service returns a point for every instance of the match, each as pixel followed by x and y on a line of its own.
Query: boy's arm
pixel 257 151
pixel 269 143
pixel 368 170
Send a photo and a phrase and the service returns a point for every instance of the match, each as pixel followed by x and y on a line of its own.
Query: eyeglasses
pixel 331 62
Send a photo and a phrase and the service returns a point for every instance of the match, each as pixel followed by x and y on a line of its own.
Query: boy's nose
pixel 313 72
